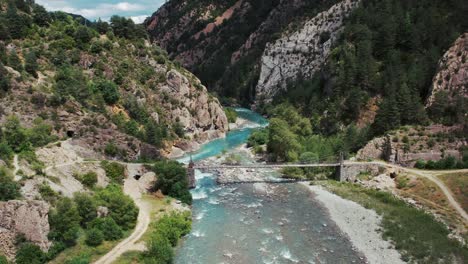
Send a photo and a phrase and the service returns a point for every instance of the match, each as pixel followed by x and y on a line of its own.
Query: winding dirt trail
pixel 430 176
pixel 132 189
pixel 15 164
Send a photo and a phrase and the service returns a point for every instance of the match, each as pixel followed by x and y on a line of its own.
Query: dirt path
pixel 15 164
pixel 430 176
pixel 132 189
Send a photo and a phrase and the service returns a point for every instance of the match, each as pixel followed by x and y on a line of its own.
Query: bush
pixel 64 222
pixel 122 208
pixel 109 91
pixel 231 115
pixel 89 179
pixel 446 163
pixel 258 137
pixel 87 208
pixel 108 227
pixel 115 171
pixel 172 180
pixel 3 260
pixel 94 237
pixel 9 189
pixel 174 226
pixel 168 230
pixel 30 254
pixel 6 153
pixel 420 164
pixel 159 250
pixel 48 194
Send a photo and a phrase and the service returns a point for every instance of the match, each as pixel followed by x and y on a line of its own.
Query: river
pixel 258 223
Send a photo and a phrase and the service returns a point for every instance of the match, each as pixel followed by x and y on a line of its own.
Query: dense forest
pixel 389 49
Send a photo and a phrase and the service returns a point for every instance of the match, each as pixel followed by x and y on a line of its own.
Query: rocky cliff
pixel 452 76
pixel 28 218
pixel 303 52
pixel 222 41
pixel 420 143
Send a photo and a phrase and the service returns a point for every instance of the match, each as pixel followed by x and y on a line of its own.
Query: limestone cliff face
pixel 452 75
pixel 222 41
pixel 29 218
pixel 303 52
pixel 198 112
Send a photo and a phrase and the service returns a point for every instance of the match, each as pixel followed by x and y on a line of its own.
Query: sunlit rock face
pixel 301 53
pixel 29 218
pixel 452 75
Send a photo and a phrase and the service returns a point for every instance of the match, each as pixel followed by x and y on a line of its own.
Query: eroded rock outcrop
pixel 302 53
pixel 424 143
pixel 452 75
pixel 200 114
pixel 29 218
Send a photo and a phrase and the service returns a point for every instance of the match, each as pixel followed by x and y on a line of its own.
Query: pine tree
pixel 16 23
pixel 388 117
pixel 14 61
pixel 404 104
pixel 4 80
pixel 31 64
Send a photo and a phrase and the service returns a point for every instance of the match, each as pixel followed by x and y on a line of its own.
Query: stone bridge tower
pixel 191 174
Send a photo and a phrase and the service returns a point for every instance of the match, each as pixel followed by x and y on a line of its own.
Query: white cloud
pixel 139 19
pixel 103 10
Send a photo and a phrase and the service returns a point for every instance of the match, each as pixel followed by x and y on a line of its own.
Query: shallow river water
pixel 258 223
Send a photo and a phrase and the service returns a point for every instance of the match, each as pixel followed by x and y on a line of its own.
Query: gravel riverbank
pixel 361 225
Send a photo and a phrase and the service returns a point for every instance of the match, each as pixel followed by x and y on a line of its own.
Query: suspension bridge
pixel 340 169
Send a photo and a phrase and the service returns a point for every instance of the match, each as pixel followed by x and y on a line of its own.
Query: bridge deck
pixel 267 166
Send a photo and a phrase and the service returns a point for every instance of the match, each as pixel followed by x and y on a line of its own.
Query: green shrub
pixel 48 194
pixel 94 237
pixel 172 180
pixel 231 114
pixel 420 164
pixel 87 208
pixel 109 91
pixel 3 260
pixel 159 250
pixel 108 227
pixel 88 179
pixel 258 137
pixel 64 222
pixel 122 208
pixel 174 226
pixel 30 254
pixel 168 230
pixel 9 189
pixel 115 171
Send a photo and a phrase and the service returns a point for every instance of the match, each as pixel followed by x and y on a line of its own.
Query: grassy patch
pixel 81 249
pixel 416 234
pixel 458 185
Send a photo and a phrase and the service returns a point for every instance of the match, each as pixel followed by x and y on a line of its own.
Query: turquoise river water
pixel 251 223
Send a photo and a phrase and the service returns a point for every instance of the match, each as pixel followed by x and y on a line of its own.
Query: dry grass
pixel 458 185
pixel 428 195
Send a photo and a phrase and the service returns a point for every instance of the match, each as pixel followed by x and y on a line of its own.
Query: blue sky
pixel 93 9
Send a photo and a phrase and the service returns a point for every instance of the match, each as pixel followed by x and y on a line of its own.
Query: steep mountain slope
pixel 341 62
pixel 302 53
pixel 109 90
pixel 222 41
